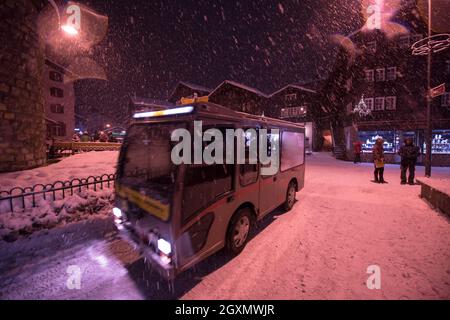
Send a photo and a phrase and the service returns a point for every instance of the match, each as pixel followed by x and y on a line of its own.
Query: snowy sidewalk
pixel 341 224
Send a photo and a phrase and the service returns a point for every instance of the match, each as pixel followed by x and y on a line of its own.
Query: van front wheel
pixel 238 231
pixel 290 196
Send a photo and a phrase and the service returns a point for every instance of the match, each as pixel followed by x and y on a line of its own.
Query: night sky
pixel 151 45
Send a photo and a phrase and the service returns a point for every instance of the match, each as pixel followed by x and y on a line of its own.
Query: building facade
pixel 393 85
pixel 298 104
pixel 22 118
pixel 59 100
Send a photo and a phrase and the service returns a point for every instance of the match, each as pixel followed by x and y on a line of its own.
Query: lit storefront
pixel 394 139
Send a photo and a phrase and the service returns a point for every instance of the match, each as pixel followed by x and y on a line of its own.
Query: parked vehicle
pixel 179 215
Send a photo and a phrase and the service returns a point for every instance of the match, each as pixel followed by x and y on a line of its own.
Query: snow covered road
pixel 341 225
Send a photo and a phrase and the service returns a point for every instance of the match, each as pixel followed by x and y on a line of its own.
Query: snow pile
pixel 441 184
pixel 50 212
pixel 79 206
pixel 77 166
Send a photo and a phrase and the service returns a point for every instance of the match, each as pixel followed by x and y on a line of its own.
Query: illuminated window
pixel 391 73
pixel 56 76
pixel 57 108
pixel 290 98
pixel 56 92
pixel 380 74
pixel 379 104
pixel 369 75
pixel 369 103
pixel 293 112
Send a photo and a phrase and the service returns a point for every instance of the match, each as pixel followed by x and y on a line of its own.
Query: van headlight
pixel 117 212
pixel 164 247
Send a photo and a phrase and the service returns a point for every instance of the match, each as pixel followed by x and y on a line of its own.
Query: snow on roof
pixel 194 86
pixel 293 85
pixel 242 86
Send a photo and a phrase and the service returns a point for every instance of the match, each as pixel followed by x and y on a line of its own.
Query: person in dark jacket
pixel 85 137
pixel 409 154
pixel 378 160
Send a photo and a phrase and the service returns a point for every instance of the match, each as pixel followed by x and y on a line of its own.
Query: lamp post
pixel 429 131
pixel 427 46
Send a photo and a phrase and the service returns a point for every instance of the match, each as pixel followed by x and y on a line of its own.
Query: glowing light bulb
pixel 70 30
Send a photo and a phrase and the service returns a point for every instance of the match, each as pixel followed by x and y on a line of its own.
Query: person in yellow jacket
pixel 378 160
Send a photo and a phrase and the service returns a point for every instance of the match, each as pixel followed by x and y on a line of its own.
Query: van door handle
pixel 230 199
pixel 274 178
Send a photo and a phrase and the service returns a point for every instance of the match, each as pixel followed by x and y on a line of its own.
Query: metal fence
pixel 52 191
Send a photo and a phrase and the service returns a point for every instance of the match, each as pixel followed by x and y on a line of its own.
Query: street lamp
pixel 68 28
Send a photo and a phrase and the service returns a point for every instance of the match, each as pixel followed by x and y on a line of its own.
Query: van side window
pixel 292 149
pixel 248 173
pixel 271 147
pixel 203 184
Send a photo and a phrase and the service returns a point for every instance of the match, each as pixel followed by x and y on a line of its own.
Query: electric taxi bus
pixel 178 215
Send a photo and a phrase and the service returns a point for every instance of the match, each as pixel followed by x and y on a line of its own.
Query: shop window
pixel 380 74
pixel 57 108
pixel 56 76
pixel 441 142
pixel 379 104
pixel 369 75
pixel 368 139
pixel 391 103
pixel 56 92
pixel 391 73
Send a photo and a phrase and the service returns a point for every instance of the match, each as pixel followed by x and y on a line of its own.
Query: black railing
pixel 54 191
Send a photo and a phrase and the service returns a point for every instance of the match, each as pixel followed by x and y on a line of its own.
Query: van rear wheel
pixel 290 196
pixel 239 230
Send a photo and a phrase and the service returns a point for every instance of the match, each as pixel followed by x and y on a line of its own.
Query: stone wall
pixel 22 120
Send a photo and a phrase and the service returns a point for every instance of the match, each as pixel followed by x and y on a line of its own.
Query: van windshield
pixel 145 165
